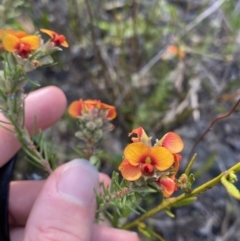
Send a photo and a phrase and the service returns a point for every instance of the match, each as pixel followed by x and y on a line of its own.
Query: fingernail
pixel 78 181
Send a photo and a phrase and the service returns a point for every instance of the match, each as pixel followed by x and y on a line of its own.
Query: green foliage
pixel 118 200
pixel 46 149
pixel 227 182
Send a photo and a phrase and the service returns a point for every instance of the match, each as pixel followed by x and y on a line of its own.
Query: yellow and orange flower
pixel 23 46
pixel 166 185
pixel 78 107
pixel 141 159
pixel 57 39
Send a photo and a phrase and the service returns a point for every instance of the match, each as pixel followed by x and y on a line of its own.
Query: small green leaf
pixel 170 214
pixel 191 179
pixel 190 164
pixel 184 202
pixel 142 229
pixel 231 189
pixel 94 160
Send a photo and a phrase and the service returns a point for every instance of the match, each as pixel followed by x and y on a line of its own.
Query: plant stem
pixel 15 114
pixel 168 202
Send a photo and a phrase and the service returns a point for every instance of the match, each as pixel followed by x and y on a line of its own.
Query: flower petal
pixel 48 32
pixel 32 40
pixel 141 135
pixel 130 172
pixel 177 159
pixel 90 104
pixel 9 42
pixel 172 142
pixel 75 108
pixel 16 33
pixel 65 44
pixel 162 158
pixel 112 113
pixel 19 34
pixel 136 152
pixel 167 186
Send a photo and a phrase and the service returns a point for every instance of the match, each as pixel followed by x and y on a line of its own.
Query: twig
pixel 221 117
pixel 169 202
pixel 204 15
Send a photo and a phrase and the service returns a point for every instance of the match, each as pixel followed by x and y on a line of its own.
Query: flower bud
pixel 85 117
pixel 88 134
pixel 98 122
pixel 79 135
pixel 232 177
pixel 90 125
pixel 97 135
pixel 108 127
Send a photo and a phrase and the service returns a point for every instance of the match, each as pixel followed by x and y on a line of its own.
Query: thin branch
pixel 204 15
pixel 221 117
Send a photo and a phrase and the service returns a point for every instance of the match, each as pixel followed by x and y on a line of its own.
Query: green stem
pixel 168 202
pixel 14 106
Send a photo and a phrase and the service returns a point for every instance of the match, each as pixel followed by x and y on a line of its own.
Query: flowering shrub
pixel 148 165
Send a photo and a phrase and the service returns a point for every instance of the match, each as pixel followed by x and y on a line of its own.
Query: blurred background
pixel 167 65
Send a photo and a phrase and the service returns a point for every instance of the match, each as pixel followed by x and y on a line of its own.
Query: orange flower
pixel 172 51
pixel 166 185
pixel 140 159
pixel 22 46
pixel 79 106
pixel 141 135
pixel 56 38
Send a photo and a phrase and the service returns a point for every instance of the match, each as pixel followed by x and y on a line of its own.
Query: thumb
pixel 64 209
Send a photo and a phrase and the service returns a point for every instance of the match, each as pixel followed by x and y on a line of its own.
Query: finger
pixel 65 207
pixel 43 108
pixel 23 195
pixel 21 199
pixel 100 233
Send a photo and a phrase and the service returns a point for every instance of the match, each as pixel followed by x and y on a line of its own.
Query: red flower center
pixel 58 39
pixel 147 169
pixel 23 49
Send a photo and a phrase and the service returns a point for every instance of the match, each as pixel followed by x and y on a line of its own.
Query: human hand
pixel 62 207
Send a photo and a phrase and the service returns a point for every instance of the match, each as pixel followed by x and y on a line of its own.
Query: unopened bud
pixel 232 177
pixel 90 125
pixel 88 134
pixel 97 135
pixel 184 183
pixel 98 122
pixel 108 127
pixel 49 46
pixel 86 116
pixel 79 135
